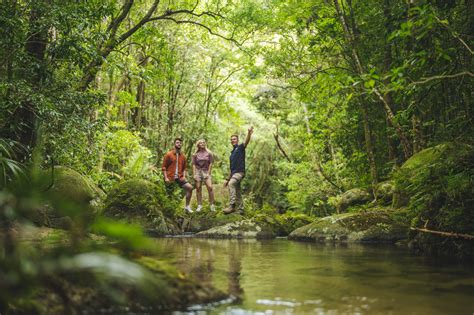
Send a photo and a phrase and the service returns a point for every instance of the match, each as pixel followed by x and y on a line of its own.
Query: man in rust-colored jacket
pixel 174 171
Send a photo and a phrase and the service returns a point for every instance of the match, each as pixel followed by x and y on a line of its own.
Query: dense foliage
pixel 341 93
pixel 344 90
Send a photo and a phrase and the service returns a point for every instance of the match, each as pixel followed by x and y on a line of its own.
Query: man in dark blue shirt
pixel 237 173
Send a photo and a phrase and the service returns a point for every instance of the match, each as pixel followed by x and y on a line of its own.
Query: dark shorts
pixel 170 187
pixel 180 182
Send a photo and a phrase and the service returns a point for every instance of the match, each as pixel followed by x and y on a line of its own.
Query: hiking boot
pixel 198 208
pixel 188 209
pixel 229 210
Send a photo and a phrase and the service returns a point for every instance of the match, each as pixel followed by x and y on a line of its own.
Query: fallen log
pixel 447 234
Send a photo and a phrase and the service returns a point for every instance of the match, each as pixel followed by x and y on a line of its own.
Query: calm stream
pixel 284 277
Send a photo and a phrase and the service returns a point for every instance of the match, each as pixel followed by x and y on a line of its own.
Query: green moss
pixel 427 156
pixel 76 187
pixel 73 199
pixel 370 226
pixel 205 220
pixel 290 221
pixel 438 187
pixel 140 202
pixel 352 197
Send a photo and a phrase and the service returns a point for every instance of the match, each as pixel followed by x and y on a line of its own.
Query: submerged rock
pixel 370 227
pixel 240 229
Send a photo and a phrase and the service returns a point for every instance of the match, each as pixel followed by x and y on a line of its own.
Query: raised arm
pixel 249 134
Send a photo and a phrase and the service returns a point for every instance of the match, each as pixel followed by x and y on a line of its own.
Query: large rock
pixel 205 220
pixel 352 197
pixel 140 202
pixel 412 169
pixel 369 227
pixel 73 197
pixel 275 224
pixel 437 186
pixel 240 229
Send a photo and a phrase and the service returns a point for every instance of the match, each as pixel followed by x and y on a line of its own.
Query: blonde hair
pixel 205 147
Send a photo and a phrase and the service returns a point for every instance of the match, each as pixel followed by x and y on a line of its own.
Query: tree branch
pixel 440 77
pixel 114 25
pixel 448 234
pixel 144 20
pixel 201 25
pixel 275 135
pixel 454 34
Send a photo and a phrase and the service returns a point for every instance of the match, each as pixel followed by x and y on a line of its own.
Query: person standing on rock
pixel 202 169
pixel 174 171
pixel 237 173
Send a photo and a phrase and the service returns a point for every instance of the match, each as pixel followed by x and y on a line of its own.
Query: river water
pixel 285 277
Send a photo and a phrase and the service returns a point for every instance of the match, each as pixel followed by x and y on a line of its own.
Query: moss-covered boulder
pixel 140 202
pixel 352 197
pixel 363 227
pixel 248 228
pixel 384 192
pixel 278 224
pixel 77 187
pixel 205 220
pixel 437 187
pixel 73 197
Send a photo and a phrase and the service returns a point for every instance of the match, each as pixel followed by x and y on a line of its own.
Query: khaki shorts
pixel 201 175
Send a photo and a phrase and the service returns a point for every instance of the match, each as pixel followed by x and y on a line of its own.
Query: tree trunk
pixel 137 113
pixel 417 134
pixel 23 126
pixel 369 146
pixel 360 70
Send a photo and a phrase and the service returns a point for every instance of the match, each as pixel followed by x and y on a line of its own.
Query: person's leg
pixel 198 186
pixel 239 202
pixel 233 186
pixel 188 188
pixel 210 191
pixel 232 192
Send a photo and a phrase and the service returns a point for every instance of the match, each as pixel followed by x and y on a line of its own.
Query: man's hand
pixel 249 134
pixel 167 180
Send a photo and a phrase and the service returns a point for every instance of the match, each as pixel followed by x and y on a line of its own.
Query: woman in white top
pixel 202 168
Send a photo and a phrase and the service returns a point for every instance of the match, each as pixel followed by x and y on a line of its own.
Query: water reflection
pixel 282 277
pixel 235 266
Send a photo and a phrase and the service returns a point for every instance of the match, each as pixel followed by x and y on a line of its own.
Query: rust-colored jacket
pixel 169 164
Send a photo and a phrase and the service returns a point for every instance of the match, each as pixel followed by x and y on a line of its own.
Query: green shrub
pixel 141 198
